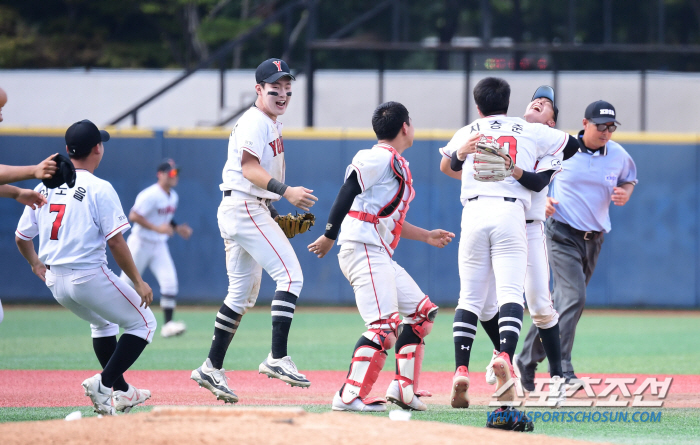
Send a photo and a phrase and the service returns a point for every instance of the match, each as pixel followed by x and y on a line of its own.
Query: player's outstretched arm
pixel 26 248
pixel 446 169
pixel 184 230
pixel 165 228
pixel 23 196
pixel 44 170
pixel 438 237
pixel 122 255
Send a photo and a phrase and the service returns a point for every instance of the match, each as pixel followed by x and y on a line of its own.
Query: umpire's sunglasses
pixel 602 127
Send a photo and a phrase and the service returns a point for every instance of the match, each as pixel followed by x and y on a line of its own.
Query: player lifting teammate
pixel 372 206
pixel 74 228
pixel 253 177
pixel 153 214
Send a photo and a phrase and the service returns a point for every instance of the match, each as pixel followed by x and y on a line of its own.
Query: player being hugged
pixel 73 228
pixel 494 239
pixel 372 206
pixel 253 177
pixel 153 214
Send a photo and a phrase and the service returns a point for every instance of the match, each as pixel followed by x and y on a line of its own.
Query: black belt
pixel 528 221
pixel 586 235
pixel 505 199
pixel 265 201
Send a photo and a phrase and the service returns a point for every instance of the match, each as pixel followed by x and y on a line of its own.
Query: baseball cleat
pixel 100 395
pixel 526 374
pixel 460 387
pixel 214 380
pixel 283 369
pixel 172 328
pixel 490 376
pixel 125 400
pixel 505 377
pixel 357 405
pixel 557 392
pixel 393 395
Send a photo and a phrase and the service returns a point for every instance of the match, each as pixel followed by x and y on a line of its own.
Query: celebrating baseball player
pixel 74 228
pixel 253 177
pixel 153 214
pixel 496 194
pixel 370 212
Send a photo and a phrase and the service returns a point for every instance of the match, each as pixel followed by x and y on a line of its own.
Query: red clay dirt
pixel 28 388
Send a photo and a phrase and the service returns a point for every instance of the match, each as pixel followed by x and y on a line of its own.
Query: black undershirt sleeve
pixel 456 164
pixel 536 181
pixel 342 204
pixel 571 147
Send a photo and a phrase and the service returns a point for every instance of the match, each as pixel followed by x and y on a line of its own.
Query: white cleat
pixel 100 395
pixel 490 375
pixel 125 400
pixel 172 329
pixel 393 395
pixel 357 405
pixel 283 369
pixel 557 392
pixel 214 380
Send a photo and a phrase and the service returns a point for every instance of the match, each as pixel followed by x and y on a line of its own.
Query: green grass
pixel 322 339
pixel 677 426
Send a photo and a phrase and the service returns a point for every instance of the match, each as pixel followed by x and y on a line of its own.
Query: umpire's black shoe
pixel 569 376
pixel 525 373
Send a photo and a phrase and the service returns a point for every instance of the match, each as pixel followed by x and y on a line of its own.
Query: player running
pixel 253 177
pixel 153 214
pixel 74 228
pixel 372 206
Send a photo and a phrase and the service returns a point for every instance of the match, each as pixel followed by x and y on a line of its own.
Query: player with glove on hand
pixel 372 206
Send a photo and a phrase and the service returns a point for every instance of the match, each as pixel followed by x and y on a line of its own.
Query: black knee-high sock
pixel 283 306
pixel 363 341
pixel 406 337
pixel 227 321
pixel 167 302
pixel 552 347
pixel 104 347
pixel 129 348
pixel 510 321
pixel 463 332
pixel 491 328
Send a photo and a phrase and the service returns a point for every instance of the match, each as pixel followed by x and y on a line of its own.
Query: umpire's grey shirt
pixel 584 187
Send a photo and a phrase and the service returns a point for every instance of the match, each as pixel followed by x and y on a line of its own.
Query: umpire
pixel 601 172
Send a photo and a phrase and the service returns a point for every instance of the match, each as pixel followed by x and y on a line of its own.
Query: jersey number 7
pixel 511 144
pixel 61 209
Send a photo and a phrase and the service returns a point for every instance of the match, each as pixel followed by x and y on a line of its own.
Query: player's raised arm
pixel 437 238
pixel 44 170
pixel 27 197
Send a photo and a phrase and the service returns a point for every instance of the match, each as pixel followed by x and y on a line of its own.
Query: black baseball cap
pixel 167 165
pixel 547 92
pixel 601 112
pixel 271 70
pixel 82 136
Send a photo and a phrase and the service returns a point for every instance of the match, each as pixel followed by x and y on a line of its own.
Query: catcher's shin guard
pixel 426 312
pixel 367 362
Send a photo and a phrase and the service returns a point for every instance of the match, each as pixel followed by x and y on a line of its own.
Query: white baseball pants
pixel 156 256
pixel 254 241
pixel 381 286
pixel 101 298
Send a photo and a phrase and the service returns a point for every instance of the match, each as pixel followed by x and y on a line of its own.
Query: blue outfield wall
pixel 651 257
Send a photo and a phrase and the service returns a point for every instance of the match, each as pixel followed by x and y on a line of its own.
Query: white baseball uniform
pixel 150 248
pixel 73 229
pixel 253 240
pixel 494 237
pixel 382 287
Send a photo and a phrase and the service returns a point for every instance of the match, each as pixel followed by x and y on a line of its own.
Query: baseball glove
pixel 293 225
pixel 509 419
pixel 492 162
pixel 65 173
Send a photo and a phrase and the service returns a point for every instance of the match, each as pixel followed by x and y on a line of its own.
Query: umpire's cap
pixel 547 92
pixel 65 173
pixel 82 136
pixel 601 112
pixel 271 70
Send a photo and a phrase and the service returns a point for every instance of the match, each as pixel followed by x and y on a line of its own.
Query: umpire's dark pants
pixel 572 259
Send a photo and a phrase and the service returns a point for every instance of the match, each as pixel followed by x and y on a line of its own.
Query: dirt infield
pixel 190 425
pixel 176 388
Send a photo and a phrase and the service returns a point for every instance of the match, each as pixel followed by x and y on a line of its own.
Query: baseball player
pixel 599 173
pixel 74 228
pixel 253 177
pixel 372 206
pixel 542 109
pixel 494 236
pixel 153 214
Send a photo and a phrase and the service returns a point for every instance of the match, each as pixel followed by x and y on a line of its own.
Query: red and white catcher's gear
pixel 424 317
pixel 384 332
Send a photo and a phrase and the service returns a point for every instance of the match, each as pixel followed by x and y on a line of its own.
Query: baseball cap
pixel 167 166
pixel 82 136
pixel 547 92
pixel 601 112
pixel 271 70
